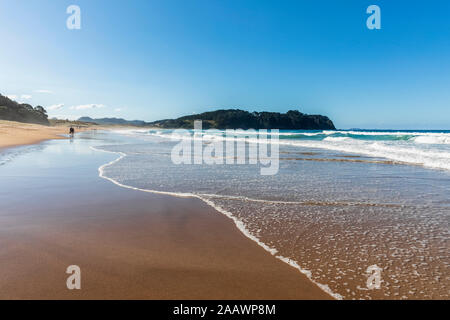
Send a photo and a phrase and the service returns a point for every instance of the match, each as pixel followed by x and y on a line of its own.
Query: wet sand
pixel 128 244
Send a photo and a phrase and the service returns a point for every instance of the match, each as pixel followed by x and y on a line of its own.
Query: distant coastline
pixel 233 119
pixel 11 110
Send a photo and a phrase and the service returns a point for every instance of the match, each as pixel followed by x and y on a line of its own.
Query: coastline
pixel 324 215
pixel 238 223
pixel 134 245
pixel 13 134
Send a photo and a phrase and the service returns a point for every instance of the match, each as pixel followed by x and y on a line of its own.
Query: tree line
pixel 22 112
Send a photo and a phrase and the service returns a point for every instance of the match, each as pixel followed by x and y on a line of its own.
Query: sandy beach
pixel 70 202
pixel 17 133
pixel 128 244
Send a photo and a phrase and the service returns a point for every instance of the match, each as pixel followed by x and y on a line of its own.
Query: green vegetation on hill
pixel 239 119
pixel 114 121
pixel 72 123
pixel 13 111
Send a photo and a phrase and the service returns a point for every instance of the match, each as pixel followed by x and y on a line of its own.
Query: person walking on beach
pixel 71 131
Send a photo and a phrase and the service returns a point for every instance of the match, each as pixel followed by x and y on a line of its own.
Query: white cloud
pixel 117 109
pixel 55 107
pixel 12 96
pixel 25 97
pixel 44 91
pixel 88 106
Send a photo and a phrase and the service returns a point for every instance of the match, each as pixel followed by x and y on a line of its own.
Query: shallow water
pixel 333 214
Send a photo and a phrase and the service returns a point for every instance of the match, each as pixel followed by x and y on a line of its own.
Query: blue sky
pixel 161 59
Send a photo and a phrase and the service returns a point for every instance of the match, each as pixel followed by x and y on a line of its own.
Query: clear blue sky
pixel 162 59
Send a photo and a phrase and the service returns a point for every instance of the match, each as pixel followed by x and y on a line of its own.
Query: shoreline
pixel 15 134
pixel 210 257
pixel 336 219
pixel 238 223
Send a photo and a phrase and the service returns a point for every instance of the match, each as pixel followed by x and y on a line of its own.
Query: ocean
pixel 341 202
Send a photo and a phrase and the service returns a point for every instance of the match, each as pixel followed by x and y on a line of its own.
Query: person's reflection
pixel 71 134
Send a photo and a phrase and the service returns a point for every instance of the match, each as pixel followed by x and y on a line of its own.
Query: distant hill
pixel 239 119
pixel 112 121
pixel 14 111
pixel 232 119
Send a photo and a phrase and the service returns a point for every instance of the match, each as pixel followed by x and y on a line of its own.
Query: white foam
pixel 308 274
pixel 336 139
pixel 428 149
pixel 130 131
pixel 435 139
pixel 408 154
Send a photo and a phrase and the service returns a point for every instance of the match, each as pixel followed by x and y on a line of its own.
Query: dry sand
pixel 17 133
